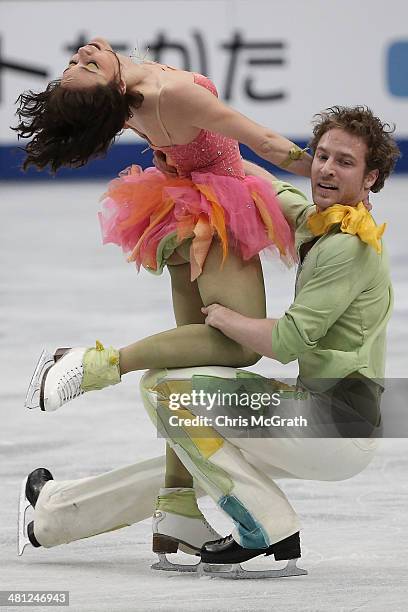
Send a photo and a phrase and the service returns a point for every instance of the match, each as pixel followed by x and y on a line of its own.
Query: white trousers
pixel 239 475
pixel 74 509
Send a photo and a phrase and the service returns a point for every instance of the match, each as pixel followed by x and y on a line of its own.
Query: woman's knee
pixel 249 358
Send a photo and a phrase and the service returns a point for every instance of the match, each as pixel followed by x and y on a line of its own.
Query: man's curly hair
pixel 382 150
pixel 70 126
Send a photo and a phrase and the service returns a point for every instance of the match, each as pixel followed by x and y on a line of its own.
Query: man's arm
pixel 343 272
pixel 345 267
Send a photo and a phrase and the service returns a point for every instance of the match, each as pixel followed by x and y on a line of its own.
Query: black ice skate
pixel 30 490
pixel 222 558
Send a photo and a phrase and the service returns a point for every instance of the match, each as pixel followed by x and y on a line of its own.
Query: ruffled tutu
pixel 149 214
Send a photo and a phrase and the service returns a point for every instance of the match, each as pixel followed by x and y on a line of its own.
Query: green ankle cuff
pixel 179 502
pixel 101 368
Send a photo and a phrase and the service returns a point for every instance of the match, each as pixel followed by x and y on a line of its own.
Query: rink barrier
pixel 122 155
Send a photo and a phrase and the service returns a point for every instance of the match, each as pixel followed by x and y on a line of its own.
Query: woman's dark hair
pixel 382 150
pixel 70 126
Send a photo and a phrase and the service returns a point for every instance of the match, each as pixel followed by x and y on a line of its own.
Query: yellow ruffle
pixel 355 220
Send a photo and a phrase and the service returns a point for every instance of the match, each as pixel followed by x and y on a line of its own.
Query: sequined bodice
pixel 208 152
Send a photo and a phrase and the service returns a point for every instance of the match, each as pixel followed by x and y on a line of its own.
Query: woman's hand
pixel 161 163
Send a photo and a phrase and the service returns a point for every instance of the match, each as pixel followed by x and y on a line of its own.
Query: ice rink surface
pixel 60 287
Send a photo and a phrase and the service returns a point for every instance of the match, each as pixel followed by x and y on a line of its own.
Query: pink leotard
pixel 150 214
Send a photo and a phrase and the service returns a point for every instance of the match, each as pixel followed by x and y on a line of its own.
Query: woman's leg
pixel 194 343
pixel 237 285
pixel 189 297
pixel 187 310
pixel 223 285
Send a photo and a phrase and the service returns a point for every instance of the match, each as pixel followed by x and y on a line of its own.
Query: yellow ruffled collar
pixel 354 220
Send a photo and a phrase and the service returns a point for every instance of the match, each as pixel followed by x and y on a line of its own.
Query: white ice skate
pixel 56 380
pixel 173 532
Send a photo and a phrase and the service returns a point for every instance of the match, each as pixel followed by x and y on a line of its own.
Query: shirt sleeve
pixel 345 267
pixel 293 203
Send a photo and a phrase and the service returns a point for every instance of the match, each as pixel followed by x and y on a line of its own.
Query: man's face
pixel 339 170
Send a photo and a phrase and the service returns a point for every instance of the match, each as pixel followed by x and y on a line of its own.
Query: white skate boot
pixel 69 373
pixel 173 531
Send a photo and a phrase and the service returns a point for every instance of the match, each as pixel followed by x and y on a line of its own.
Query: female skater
pixel 207 224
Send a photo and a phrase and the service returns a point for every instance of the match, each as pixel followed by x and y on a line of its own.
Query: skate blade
pixel 32 399
pixel 22 538
pixel 237 572
pixel 167 566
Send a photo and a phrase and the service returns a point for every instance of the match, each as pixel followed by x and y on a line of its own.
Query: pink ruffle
pixel 142 199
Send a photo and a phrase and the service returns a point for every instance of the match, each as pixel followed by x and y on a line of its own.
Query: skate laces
pixel 69 385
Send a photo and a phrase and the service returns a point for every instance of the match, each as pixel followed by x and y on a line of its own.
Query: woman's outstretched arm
pixel 195 105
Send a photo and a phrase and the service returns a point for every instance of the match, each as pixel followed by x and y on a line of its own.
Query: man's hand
pixel 216 315
pixel 161 163
pixel 255 334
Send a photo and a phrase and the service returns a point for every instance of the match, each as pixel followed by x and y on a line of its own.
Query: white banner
pixel 278 62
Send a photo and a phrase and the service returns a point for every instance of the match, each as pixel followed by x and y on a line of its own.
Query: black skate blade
pixel 33 399
pixel 22 537
pixel 235 571
pixel 167 566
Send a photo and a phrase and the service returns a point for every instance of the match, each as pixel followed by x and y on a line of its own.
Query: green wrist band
pixel 295 153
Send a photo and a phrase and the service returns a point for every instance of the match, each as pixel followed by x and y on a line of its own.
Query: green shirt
pixel 343 300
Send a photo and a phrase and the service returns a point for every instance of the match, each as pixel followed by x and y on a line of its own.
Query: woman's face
pixel 94 64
